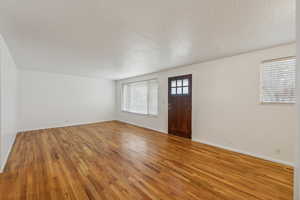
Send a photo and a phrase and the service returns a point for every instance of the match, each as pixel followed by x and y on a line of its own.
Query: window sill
pixel 145 115
pixel 282 103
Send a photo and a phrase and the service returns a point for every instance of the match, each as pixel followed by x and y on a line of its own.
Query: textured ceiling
pixel 117 39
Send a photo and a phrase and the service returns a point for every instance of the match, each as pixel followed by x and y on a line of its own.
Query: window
pixel 140 97
pixel 180 87
pixel 278 81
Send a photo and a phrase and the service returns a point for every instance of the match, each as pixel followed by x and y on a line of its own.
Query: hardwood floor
pixel 113 160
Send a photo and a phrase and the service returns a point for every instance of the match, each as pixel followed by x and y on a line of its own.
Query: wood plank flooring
pixel 113 160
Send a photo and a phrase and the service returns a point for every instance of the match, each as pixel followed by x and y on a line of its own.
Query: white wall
pixel 8 99
pixel 54 100
pixel 226 107
pixel 297 154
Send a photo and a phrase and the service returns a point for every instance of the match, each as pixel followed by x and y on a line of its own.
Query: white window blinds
pixel 140 97
pixel 153 97
pixel 278 81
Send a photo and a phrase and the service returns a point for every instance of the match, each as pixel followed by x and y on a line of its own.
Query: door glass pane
pixel 173 83
pixel 185 82
pixel 185 90
pixel 179 90
pixel 173 91
pixel 179 83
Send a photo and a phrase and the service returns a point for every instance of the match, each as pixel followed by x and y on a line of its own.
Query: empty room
pixel 149 100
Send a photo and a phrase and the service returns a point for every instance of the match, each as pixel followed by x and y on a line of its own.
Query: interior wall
pixel 8 99
pixel 50 100
pixel 297 154
pixel 226 107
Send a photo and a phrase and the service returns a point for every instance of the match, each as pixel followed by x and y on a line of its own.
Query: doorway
pixel 180 106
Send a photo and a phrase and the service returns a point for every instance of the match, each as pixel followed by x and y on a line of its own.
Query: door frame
pixel 180 76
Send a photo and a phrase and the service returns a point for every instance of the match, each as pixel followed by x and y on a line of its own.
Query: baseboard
pixel 220 146
pixel 7 155
pixel 138 125
pixel 165 132
pixel 246 153
pixel 63 125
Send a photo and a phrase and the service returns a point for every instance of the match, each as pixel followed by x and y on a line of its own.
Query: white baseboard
pixel 135 124
pixel 7 155
pixel 165 132
pixel 246 153
pixel 32 129
pixel 61 125
pixel 220 146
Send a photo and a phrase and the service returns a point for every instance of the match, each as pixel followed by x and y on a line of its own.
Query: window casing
pixel 278 81
pixel 140 97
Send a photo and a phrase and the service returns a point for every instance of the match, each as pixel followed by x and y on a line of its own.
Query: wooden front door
pixel 180 106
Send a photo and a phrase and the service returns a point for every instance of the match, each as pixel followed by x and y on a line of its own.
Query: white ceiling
pixel 122 38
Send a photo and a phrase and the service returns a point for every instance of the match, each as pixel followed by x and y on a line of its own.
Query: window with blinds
pixel 279 81
pixel 140 97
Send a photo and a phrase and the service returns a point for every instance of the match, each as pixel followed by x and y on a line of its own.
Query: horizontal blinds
pixel 278 81
pixel 153 97
pixel 140 97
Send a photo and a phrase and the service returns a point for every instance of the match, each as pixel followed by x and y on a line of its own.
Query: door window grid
pixel 180 87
